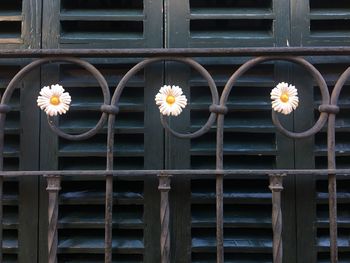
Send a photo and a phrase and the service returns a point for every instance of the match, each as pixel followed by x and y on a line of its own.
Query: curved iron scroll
pixel 110 109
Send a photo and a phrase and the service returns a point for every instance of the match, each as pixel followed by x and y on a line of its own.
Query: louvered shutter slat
pixel 102 15
pixel 254 216
pixel 231 13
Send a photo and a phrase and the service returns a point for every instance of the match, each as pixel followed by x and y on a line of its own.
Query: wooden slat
pixel 102 15
pixel 231 13
pixel 255 216
pixel 252 241
pixel 14 16
pixel 87 244
pixel 76 37
pixel 326 14
pixel 128 217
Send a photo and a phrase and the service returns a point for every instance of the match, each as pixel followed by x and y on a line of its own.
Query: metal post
pixel 108 219
pixel 219 218
pixel 332 190
pixel 53 187
pixel 164 188
pixel 219 190
pixel 2 136
pixel 276 188
pixel 1 215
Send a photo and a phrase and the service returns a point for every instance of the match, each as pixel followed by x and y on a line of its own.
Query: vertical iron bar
pixel 109 191
pixel 53 187
pixel 276 188
pixel 219 217
pixel 108 219
pixel 332 189
pixel 219 191
pixel 164 188
pixel 1 215
pixel 2 135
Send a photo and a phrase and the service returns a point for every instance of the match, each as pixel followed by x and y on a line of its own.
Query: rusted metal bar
pixel 2 135
pixel 164 188
pixel 219 190
pixel 109 219
pixel 333 228
pixel 332 190
pixel 321 173
pixel 276 188
pixel 333 109
pixel 53 188
pixel 1 215
pixel 3 110
pixel 109 187
pixel 219 219
pixel 181 52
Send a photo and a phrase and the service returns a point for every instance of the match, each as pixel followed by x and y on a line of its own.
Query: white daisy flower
pixel 54 100
pixel 284 98
pixel 170 100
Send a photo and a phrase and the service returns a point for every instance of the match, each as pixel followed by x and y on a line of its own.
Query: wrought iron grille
pixel 109 113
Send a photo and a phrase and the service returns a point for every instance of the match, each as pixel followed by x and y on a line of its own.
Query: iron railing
pixel 328 110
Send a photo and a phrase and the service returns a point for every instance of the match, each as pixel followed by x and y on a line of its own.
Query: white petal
pixel 57 89
pixel 177 91
pixel 46 92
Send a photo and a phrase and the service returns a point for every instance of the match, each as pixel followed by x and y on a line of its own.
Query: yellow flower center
pixel 170 99
pixel 284 97
pixel 54 100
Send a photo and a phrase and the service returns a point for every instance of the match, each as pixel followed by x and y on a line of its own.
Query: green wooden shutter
pixel 332 69
pixel 249 143
pixel 326 24
pixel 105 24
pixel 329 23
pixel 82 202
pixel 17 19
pixel 231 23
pixel 250 140
pixel 93 23
pixel 11 34
pixel 11 23
pixel 11 162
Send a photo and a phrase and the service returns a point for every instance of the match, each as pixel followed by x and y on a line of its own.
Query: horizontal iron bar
pixel 140 173
pixel 187 52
